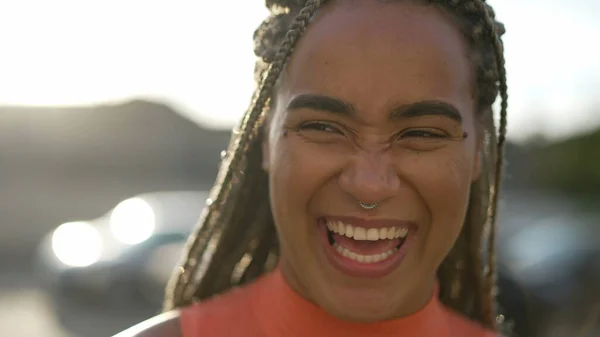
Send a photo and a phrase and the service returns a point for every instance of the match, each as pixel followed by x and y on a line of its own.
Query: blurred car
pixel 551 248
pixel 122 257
pixel 546 250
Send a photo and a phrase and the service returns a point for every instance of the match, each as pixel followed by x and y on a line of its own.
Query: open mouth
pixel 365 245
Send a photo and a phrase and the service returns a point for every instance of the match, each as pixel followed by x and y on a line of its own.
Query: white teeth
pixel 360 234
pixel 366 259
pixel 349 231
pixel 383 233
pixel 372 234
pixel 364 234
pixel 341 228
pixel 391 233
pixel 398 231
pixel 403 233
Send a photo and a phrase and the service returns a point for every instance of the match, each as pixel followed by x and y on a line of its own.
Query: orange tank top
pixel 270 308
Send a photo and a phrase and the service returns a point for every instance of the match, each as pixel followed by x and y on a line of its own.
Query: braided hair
pixel 236 240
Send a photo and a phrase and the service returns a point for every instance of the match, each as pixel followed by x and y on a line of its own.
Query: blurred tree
pixel 571 166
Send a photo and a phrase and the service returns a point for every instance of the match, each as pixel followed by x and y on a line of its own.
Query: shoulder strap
pixel 165 324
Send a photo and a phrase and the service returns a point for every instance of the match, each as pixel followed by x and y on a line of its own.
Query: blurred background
pixel 113 115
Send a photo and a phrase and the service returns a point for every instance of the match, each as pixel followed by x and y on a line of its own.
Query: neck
pixel 285 310
pixel 412 302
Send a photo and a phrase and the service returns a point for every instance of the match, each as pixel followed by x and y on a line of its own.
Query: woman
pixel 359 194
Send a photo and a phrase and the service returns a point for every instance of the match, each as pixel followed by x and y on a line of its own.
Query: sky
pixel 197 56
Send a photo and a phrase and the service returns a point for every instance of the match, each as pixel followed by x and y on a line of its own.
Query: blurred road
pixel 26 311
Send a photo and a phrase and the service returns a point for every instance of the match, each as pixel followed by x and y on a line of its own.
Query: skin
pixel 378 58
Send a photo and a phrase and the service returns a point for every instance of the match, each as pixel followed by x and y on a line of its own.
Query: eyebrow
pixel 426 108
pixel 341 107
pixel 322 103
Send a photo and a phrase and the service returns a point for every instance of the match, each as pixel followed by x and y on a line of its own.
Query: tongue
pixel 366 247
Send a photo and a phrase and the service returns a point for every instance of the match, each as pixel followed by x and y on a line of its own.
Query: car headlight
pixel 77 244
pixel 132 221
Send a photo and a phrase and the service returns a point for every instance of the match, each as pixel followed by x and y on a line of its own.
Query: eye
pixel 423 134
pixel 322 132
pixel 422 139
pixel 320 126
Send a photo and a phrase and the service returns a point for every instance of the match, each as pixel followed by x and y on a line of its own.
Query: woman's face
pixel 372 107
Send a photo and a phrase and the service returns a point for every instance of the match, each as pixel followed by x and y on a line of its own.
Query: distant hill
pixel 572 165
pixel 65 164
pixel 134 134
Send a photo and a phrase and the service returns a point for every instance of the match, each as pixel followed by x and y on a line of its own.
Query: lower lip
pixel 363 270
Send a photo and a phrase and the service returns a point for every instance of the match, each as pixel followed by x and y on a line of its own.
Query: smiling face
pixel 373 107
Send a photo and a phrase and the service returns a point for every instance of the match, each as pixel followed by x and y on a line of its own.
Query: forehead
pixel 376 54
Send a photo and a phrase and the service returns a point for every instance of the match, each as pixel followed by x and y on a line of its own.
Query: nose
pixel 370 178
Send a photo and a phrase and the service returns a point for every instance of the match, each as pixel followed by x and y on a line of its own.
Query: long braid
pixel 226 190
pixel 239 221
pixel 490 272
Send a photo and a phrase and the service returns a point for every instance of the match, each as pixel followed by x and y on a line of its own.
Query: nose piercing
pixel 367 206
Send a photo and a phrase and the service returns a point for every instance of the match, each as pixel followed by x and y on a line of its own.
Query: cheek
pixel 443 182
pixel 297 172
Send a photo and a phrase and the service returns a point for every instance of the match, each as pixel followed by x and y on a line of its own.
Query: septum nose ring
pixel 367 206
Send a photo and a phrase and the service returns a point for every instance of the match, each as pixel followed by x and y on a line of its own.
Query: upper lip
pixel 372 223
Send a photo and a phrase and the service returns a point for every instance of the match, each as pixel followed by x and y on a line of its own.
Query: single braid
pixel 238 220
pixel 490 275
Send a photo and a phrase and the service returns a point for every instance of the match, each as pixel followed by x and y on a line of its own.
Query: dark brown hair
pixel 236 240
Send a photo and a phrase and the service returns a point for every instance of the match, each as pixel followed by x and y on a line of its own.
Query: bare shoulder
pixel 163 325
